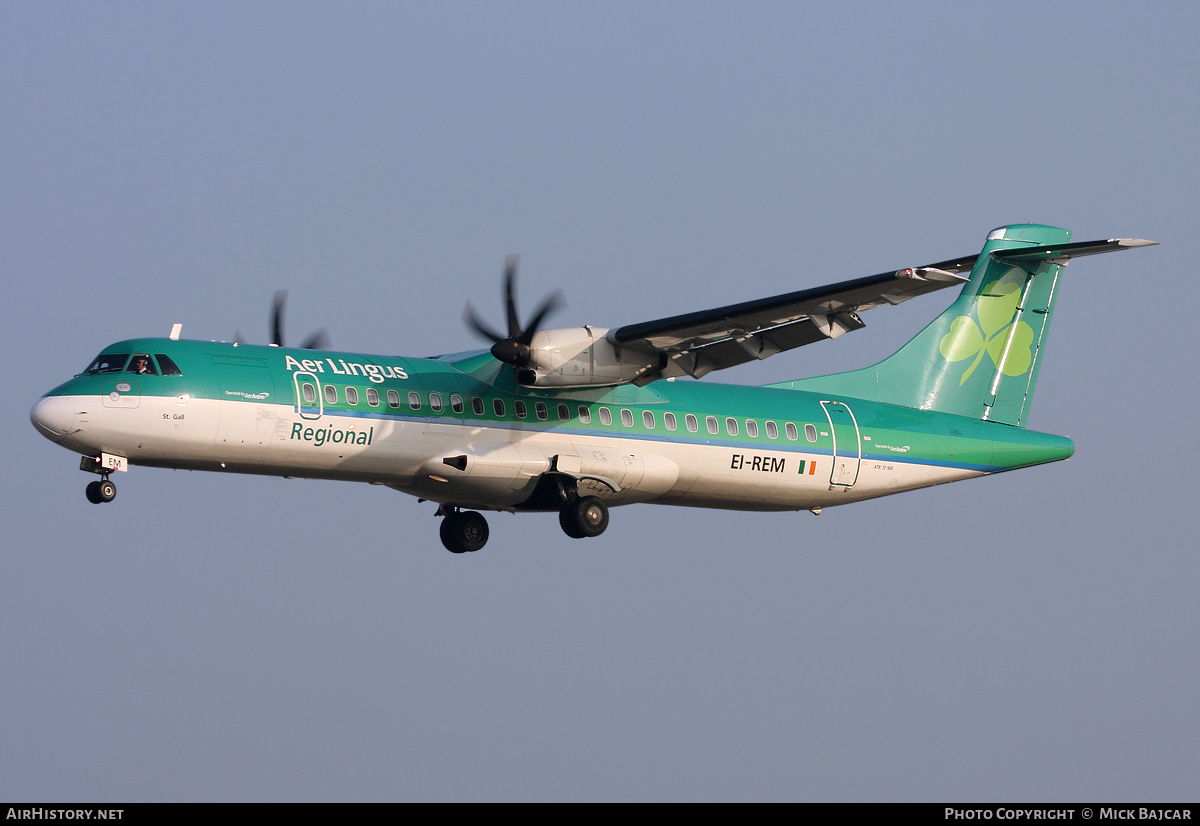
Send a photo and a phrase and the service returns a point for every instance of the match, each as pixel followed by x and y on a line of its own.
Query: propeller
pixel 513 348
pixel 318 340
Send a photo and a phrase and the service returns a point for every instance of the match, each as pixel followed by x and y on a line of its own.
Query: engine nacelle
pixel 583 357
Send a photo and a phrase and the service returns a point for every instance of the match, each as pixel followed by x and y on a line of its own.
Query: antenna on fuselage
pixel 176 329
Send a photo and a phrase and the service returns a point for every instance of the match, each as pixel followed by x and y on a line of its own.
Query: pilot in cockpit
pixel 142 366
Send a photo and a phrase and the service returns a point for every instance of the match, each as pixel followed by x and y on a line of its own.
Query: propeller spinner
pixel 514 348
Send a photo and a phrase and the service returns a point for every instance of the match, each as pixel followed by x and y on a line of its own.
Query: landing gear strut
pixel 583 517
pixel 101 492
pixel 463 531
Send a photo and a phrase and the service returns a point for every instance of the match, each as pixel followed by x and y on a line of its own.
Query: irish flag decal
pixel 811 467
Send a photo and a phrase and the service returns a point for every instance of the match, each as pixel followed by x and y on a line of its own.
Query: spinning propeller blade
pixel 513 349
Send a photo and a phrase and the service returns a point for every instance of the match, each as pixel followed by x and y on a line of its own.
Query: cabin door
pixel 308 395
pixel 847 444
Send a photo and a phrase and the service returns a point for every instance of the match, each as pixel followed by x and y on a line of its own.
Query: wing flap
pixel 730 352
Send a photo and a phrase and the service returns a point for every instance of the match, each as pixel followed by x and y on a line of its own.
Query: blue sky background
pixel 1027 637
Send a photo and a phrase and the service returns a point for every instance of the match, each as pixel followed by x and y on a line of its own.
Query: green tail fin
pixel 980 357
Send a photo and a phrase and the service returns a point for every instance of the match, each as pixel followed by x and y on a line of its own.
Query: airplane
pixel 578 420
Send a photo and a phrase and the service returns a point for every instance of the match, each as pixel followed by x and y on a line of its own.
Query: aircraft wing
pixel 698 343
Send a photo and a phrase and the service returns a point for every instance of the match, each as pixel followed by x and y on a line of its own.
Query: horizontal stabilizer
pixel 1062 253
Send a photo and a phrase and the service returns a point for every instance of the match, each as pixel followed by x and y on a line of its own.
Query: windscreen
pixel 108 363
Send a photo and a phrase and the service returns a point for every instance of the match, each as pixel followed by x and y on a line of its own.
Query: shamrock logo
pixel 996 306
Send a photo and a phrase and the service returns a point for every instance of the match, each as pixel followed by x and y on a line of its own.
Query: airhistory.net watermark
pixel 42 813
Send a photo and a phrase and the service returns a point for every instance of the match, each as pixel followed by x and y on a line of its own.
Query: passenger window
pixel 310 393
pixel 435 402
pixel 585 415
pixel 692 424
pixel 477 405
pixel 498 408
pixel 456 403
pixel 393 398
pixel 731 426
pixel 626 417
pixel 790 430
pixel 648 419
pixel 330 394
pixel 541 410
pixel 414 400
pixel 810 433
pixel 711 423
pixel 522 411
pixel 564 413
pixel 351 395
pixel 669 421
pixel 605 416
pixel 772 430
pixel 142 365
pixel 372 397
pixel 752 428
pixel 168 366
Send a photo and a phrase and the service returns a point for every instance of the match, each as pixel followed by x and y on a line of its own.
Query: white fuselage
pixel 479 464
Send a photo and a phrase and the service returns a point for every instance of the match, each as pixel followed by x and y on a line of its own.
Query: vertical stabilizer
pixel 980 357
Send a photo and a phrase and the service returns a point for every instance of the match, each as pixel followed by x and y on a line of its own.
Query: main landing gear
pixel 467 531
pixel 462 531
pixel 583 517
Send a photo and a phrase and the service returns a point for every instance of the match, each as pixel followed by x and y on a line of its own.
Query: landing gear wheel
pixel 584 517
pixel 107 491
pixel 446 531
pixel 566 521
pixel 93 493
pixel 464 532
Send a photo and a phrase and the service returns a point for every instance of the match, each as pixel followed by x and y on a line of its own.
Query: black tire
pixel 448 532
pixel 592 515
pixel 584 517
pixel 93 493
pixel 566 521
pixel 473 531
pixel 107 491
pixel 464 532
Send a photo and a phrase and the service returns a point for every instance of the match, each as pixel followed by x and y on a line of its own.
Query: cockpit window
pixel 168 366
pixel 109 363
pixel 142 364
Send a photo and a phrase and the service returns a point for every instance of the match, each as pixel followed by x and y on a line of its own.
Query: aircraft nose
pixel 54 417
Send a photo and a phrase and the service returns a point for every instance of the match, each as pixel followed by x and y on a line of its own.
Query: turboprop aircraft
pixel 577 420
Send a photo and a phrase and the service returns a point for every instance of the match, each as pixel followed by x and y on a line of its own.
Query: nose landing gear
pixel 103 491
pixel 100 492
